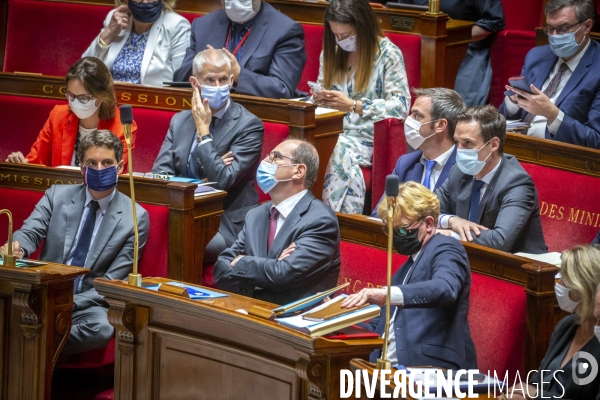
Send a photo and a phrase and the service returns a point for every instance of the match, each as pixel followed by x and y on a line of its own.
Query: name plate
pixel 405 24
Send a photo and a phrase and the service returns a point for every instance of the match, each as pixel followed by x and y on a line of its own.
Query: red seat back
pixel 389 144
pixel 48 37
pixel 21 203
pixel 275 133
pixel 155 259
pixel 410 45
pixel 153 126
pixel 313 44
pixel 497 315
pixel 523 15
pixel 568 205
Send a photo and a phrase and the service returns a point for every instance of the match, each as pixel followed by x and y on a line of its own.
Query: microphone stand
pixel 9 260
pixel 434 7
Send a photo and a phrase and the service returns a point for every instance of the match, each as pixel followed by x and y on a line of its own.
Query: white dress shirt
pixel 440 162
pixel 538 125
pixel 286 207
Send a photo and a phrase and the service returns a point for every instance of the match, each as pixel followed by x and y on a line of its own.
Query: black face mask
pixel 145 12
pixel 408 244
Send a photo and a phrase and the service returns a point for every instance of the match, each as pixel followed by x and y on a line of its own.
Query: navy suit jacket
pixel 409 168
pixel 313 267
pixel 431 328
pixel 579 100
pixel 273 57
pixel 597 240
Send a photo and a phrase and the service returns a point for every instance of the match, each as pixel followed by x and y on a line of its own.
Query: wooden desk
pixel 172 348
pixel 35 320
pixel 193 221
pixel 537 279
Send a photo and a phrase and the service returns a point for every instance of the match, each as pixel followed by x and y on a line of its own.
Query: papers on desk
pixel 549 258
pixel 194 292
pixel 318 110
pixel 25 263
pixel 514 125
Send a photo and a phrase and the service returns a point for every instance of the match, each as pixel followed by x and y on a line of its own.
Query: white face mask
pixel 412 129
pixel 348 44
pixel 597 332
pixel 564 301
pixel 239 11
pixel 468 162
pixel 83 111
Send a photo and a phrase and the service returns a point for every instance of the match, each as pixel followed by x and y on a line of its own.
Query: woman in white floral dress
pixel 363 74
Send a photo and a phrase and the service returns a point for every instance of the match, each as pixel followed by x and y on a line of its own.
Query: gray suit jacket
pixel 55 221
pixel 509 208
pixel 239 131
pixel 313 267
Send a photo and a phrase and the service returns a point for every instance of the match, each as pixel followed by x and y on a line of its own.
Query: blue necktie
pixel 429 165
pixel 193 168
pixel 475 199
pixel 85 239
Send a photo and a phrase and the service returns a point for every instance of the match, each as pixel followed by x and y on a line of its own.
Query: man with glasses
pixel 429 293
pixel 564 103
pixel 218 141
pixel 489 199
pixel 430 131
pixel 289 247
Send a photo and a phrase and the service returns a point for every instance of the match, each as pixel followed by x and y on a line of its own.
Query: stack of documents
pixel 515 125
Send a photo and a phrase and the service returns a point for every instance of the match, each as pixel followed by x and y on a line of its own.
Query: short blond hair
pixel 580 270
pixel 414 201
pixel 168 5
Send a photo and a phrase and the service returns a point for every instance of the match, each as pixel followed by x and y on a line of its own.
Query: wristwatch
pixel 203 138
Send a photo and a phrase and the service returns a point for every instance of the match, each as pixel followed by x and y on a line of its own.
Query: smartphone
pixel 315 86
pixel 520 83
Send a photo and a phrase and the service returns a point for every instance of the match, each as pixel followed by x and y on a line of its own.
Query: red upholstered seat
pixel 190 16
pixel 410 45
pixel 313 44
pixel 153 126
pixel 497 313
pixel 21 203
pixel 568 205
pixel 388 145
pixel 48 37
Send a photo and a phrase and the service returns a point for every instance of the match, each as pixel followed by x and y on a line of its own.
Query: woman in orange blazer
pixel 92 105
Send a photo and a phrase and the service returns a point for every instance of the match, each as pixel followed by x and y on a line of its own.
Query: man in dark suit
pixel 289 247
pixel 489 199
pixel 429 293
pixel 218 141
pixel 430 131
pixel 564 79
pixel 89 226
pixel 266 48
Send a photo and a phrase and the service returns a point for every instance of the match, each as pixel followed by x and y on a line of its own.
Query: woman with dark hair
pixel 361 73
pixel 143 41
pixel 92 105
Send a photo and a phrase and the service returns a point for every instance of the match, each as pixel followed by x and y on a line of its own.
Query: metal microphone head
pixel 126 114
pixel 391 185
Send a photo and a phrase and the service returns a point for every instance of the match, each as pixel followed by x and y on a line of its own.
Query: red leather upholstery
pixel 388 145
pixel 410 45
pixel 568 205
pixel 153 126
pixel 313 44
pixel 48 37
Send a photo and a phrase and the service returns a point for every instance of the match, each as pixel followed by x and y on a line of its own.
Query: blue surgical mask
pixel 100 179
pixel 564 45
pixel 467 161
pixel 145 12
pixel 217 96
pixel 265 176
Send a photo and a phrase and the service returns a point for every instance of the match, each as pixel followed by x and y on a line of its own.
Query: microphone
pixel 134 279
pixel 391 191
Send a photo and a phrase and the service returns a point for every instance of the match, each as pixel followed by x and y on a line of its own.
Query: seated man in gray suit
pixel 218 141
pixel 91 226
pixel 489 199
pixel 289 247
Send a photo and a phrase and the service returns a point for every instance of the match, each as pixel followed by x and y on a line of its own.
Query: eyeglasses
pixel 277 156
pixel 402 230
pixel 83 98
pixel 561 30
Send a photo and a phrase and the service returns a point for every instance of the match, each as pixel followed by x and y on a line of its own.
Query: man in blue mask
pixel 289 247
pixel 88 226
pixel 217 141
pixel 489 199
pixel 564 78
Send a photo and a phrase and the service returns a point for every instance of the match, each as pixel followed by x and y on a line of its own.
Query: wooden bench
pixel 513 308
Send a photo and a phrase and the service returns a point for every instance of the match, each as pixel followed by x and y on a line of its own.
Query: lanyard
pixel 239 46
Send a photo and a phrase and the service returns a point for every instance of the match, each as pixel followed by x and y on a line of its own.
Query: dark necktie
pixel 475 199
pixel 85 239
pixel 193 167
pixel 551 89
pixel 272 227
pixel 429 165
pixel 76 163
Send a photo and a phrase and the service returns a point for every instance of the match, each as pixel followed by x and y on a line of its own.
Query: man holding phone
pixel 563 102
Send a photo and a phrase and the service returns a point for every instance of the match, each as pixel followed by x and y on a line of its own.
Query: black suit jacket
pixel 561 337
pixel 509 208
pixel 239 131
pixel 431 328
pixel 313 267
pixel 273 57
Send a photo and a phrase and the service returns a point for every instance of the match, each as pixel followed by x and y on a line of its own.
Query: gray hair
pixel 491 123
pixel 445 103
pixel 307 154
pixel 100 138
pixel 216 57
pixel 584 9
